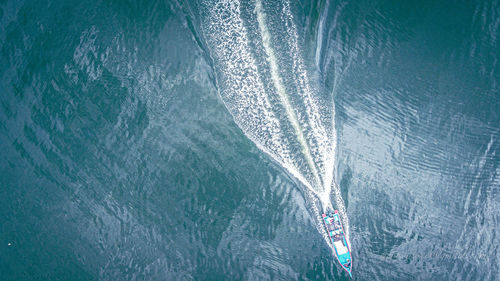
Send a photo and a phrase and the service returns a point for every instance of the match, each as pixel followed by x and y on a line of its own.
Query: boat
pixel 337 236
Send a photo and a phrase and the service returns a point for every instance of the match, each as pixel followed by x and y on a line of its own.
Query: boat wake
pixel 265 84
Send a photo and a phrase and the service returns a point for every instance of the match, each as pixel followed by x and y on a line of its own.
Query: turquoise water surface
pixel 201 140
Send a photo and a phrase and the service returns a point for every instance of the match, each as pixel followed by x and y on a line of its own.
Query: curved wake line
pixel 261 101
pixel 280 88
pixel 283 95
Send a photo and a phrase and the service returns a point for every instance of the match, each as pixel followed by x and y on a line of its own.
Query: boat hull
pixel 336 234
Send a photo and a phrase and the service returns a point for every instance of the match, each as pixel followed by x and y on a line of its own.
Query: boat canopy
pixel 341 248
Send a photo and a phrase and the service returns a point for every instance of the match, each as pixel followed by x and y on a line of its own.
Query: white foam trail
pixel 282 115
pixel 280 89
pixel 337 195
pixel 325 140
pixel 241 86
pixel 319 38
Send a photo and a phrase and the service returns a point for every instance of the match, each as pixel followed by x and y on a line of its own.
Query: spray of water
pixel 264 83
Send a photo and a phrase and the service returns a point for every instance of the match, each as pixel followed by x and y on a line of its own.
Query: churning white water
pixel 264 83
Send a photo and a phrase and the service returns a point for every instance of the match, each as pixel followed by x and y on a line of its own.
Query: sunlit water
pixel 192 140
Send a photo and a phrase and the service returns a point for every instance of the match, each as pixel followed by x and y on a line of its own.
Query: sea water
pixel 199 140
